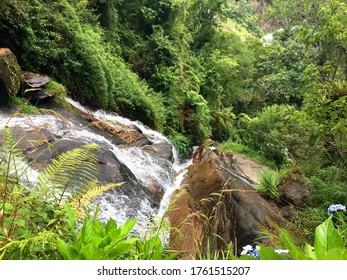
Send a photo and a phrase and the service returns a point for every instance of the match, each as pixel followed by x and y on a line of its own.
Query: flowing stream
pixel 119 204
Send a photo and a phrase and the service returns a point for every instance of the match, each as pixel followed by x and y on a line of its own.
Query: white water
pixel 120 204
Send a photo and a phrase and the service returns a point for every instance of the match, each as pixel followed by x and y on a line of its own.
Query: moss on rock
pixel 10 74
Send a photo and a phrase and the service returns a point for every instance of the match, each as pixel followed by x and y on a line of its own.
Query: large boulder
pixel 293 191
pixel 10 75
pixel 216 206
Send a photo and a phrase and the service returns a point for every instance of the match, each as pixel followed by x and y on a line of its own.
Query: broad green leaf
pixel 24 211
pixel 327 238
pixel 8 221
pixel 8 206
pixel 51 221
pixel 19 223
pixel 111 226
pixel 91 233
pixel 66 251
pixel 120 249
pixel 71 216
pixel 127 226
pixel 23 233
pixel 309 251
pixel 92 252
pixel 43 215
pixel 267 253
pixel 296 253
pixel 336 254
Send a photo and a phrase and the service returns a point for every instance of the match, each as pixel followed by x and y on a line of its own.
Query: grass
pixel 268 182
pixel 246 151
pixel 22 105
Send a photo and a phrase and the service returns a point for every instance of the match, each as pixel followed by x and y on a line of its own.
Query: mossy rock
pixel 10 75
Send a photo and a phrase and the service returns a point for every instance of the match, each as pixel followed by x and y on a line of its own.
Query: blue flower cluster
pixel 336 207
pixel 254 252
pixel 250 251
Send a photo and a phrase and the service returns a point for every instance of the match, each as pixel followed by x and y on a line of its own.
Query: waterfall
pixel 123 203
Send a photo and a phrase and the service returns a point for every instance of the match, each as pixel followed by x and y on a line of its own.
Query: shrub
pixel 87 65
pixel 328 186
pixel 182 144
pixel 283 134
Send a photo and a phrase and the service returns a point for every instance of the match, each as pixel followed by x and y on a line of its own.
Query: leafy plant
pixel 96 241
pixel 268 182
pixel 50 219
pixel 23 105
pixel 328 244
pixel 182 144
pixel 153 245
pixel 328 184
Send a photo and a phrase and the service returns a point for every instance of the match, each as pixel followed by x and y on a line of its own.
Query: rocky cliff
pixel 216 206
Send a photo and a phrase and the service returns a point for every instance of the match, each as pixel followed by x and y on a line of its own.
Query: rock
pixel 162 149
pixel 33 86
pixel 246 167
pixel 288 212
pixel 155 188
pixel 34 80
pixel 125 135
pixel 294 191
pixel 187 225
pixel 10 74
pixel 220 206
pixel 36 96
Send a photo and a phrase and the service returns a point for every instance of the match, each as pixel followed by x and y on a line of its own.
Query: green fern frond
pixel 13 165
pixel 80 199
pixel 17 249
pixel 71 170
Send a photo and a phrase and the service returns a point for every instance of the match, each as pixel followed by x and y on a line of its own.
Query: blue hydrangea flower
pixel 336 207
pixel 255 254
pixel 250 251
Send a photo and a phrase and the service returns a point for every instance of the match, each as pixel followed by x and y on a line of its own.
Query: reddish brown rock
pixel 155 188
pixel 187 234
pixel 216 206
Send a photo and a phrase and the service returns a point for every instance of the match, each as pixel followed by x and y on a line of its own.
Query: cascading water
pixel 148 168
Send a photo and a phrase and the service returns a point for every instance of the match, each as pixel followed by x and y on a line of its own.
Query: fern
pixel 29 247
pixel 13 166
pixel 81 198
pixel 71 170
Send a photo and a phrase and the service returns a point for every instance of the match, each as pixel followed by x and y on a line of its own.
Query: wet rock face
pixel 213 192
pixel 43 138
pixel 10 75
